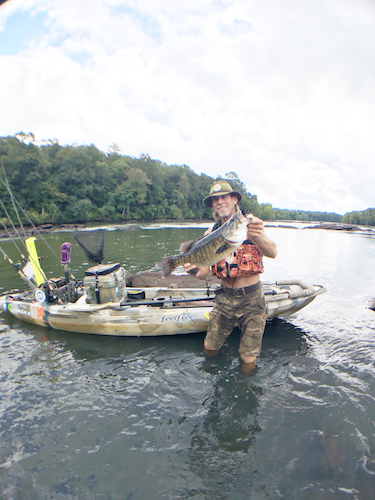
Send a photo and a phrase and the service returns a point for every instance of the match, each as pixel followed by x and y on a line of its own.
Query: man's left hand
pixel 255 226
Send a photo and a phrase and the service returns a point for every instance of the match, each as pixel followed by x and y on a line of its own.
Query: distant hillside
pixel 70 184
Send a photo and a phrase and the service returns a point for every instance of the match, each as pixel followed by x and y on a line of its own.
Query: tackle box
pixel 105 283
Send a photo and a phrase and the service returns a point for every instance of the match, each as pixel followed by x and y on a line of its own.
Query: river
pixel 91 417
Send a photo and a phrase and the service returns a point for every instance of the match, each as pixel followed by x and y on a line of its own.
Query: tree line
pixel 79 184
pixel 364 218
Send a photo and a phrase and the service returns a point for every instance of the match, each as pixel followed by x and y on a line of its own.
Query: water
pixel 89 417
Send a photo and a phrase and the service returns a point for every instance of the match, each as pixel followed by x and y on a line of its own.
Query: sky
pixel 281 92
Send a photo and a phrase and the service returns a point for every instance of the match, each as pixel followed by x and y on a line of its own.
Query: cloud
pixel 281 93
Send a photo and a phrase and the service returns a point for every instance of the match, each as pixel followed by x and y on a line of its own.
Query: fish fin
pixel 165 266
pixel 223 248
pixel 186 245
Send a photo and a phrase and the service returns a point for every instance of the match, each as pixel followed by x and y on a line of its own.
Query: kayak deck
pixel 150 311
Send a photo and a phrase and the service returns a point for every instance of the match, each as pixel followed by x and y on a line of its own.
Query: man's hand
pixel 255 226
pixel 259 237
pixel 195 271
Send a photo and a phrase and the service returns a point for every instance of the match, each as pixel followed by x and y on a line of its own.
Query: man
pixel 240 300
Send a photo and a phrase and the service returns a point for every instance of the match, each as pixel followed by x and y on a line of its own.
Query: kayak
pixel 140 311
pixel 107 302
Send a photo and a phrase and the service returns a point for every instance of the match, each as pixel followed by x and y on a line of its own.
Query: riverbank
pixel 331 226
pixel 42 229
pixel 49 228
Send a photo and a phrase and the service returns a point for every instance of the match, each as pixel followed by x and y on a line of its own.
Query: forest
pixel 365 218
pixel 80 184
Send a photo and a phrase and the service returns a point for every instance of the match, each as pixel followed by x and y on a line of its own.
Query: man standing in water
pixel 240 300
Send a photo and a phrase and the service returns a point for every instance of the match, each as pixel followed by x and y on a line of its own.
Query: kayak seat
pixel 102 269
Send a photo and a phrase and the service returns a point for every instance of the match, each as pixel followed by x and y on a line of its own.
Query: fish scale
pixel 210 249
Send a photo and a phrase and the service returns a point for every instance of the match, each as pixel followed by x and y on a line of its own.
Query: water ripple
pixel 94 417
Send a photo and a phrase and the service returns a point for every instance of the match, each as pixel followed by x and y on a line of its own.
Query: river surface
pixel 92 417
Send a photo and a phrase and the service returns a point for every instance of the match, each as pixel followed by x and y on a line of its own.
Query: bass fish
pixel 210 249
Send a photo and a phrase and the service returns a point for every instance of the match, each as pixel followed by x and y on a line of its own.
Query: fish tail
pixel 165 266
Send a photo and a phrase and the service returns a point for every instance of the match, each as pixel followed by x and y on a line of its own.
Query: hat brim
pixel 208 199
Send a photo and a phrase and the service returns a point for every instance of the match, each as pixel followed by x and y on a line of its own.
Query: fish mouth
pixel 239 227
pixel 241 218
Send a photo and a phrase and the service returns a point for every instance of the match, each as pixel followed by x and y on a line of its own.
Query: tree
pixel 72 183
pixel 131 192
pixel 267 212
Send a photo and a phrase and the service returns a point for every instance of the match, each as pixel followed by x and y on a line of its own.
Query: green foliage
pixel 55 183
pixel 365 218
pixel 281 214
pixel 267 212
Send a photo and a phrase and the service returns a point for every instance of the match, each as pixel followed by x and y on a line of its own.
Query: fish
pixel 211 248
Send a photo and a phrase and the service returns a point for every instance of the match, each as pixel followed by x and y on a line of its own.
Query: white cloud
pixel 280 92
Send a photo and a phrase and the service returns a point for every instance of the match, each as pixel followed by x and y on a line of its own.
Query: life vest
pixel 247 260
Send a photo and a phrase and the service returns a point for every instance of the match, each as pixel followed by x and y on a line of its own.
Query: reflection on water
pixel 89 417
pixel 222 442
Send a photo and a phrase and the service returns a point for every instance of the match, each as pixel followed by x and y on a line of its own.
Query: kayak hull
pixel 162 312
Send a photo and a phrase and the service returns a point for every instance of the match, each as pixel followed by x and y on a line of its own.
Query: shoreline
pixel 136 225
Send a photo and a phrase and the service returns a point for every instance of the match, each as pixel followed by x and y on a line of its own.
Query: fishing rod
pixel 38 274
pixel 28 219
pixel 8 233
pixel 6 184
pixel 14 229
pixel 160 302
pixel 19 270
pixel 40 236
pixel 28 244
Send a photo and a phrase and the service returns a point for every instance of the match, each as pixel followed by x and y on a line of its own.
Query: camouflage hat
pixel 220 188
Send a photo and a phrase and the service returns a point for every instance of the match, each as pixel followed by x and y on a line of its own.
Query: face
pixel 224 206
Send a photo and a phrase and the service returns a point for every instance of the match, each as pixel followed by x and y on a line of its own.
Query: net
pixel 92 243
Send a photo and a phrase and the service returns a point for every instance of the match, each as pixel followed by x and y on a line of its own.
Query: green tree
pixel 81 211
pixel 267 212
pixel 81 183
pixel 131 192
